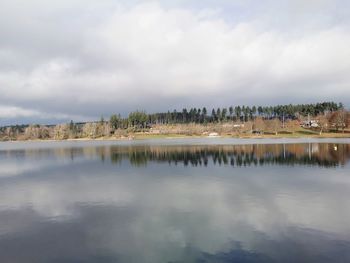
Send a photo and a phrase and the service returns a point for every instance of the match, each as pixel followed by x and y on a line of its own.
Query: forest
pixel 237 113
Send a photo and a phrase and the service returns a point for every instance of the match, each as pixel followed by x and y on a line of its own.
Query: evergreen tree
pixel 231 112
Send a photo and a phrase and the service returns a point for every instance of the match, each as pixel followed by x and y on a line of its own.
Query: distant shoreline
pixel 145 136
pixel 331 123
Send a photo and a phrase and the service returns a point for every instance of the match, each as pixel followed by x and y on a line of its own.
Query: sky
pixel 83 59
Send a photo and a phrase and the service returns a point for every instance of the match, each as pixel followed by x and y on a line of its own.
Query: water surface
pixel 197 200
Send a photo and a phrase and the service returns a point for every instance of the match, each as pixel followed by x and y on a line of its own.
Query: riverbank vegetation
pixel 320 119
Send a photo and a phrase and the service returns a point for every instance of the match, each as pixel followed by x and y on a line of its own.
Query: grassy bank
pixel 297 134
pixel 198 131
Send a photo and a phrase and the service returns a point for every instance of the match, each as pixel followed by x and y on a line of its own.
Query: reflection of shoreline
pixel 319 154
pixel 237 156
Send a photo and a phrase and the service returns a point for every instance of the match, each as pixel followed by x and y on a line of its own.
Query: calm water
pixel 215 200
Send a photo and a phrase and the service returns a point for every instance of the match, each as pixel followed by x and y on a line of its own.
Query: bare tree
pixel 339 120
pixel 259 125
pixel 322 121
pixel 273 125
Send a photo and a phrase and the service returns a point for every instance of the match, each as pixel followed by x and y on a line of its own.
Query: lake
pixel 175 200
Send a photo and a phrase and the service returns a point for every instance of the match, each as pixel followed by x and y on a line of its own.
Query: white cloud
pixel 13 112
pixel 179 56
pixel 18 112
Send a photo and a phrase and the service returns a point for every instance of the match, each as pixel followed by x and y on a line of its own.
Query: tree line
pixel 243 113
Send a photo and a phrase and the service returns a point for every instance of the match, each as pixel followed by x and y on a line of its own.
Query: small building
pixel 310 124
pixel 213 134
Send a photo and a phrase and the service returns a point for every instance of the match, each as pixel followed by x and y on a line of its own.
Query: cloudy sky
pixel 80 59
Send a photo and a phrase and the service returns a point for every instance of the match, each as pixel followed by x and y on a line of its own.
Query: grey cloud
pixel 86 58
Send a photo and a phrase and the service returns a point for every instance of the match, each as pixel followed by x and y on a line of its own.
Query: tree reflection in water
pixel 325 155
